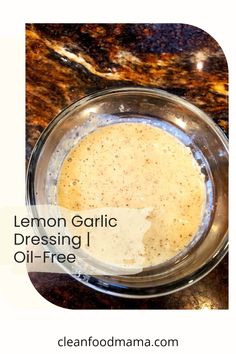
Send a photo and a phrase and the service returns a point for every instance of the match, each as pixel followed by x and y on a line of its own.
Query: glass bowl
pixel 189 124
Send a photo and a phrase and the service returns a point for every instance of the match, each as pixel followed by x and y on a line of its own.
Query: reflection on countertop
pixel 65 62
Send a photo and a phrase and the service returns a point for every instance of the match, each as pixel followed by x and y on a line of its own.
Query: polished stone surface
pixel 67 62
pixel 209 293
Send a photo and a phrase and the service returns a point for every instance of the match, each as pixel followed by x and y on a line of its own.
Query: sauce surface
pixel 137 165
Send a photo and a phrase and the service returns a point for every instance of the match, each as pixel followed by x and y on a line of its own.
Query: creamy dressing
pixel 137 165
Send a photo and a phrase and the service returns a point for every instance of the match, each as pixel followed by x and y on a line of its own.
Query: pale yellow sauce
pixel 136 165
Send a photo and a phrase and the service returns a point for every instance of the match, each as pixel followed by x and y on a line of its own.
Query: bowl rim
pixel 94 281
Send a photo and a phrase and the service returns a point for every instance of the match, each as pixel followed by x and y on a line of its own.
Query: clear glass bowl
pixel 209 146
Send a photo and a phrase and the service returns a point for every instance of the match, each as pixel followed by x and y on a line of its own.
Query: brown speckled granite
pixel 209 293
pixel 67 62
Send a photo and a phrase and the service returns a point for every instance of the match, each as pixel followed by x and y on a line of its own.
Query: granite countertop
pixel 66 62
